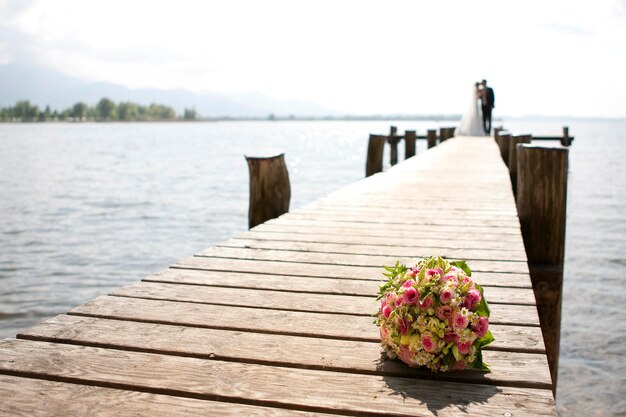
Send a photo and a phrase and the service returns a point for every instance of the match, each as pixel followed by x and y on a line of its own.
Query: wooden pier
pixel 277 321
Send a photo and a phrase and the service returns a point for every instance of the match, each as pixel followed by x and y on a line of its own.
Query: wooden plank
pixel 408 202
pixel 310 285
pixel 328 271
pixel 508 226
pixel 308 324
pixel 350 236
pixel 528 370
pixel 397 229
pixel 305 389
pixel 349 259
pixel 499 217
pixel 293 300
pixel 378 250
pixel 35 397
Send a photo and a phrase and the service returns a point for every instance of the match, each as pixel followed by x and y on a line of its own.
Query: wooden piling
pixel 541 207
pixel 393 143
pixel 496 132
pixel 445 133
pixel 431 137
pixel 513 142
pixel 504 139
pixel 409 143
pixel 565 140
pixel 270 190
pixel 375 148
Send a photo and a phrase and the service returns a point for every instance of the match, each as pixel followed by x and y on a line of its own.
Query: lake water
pixel 86 208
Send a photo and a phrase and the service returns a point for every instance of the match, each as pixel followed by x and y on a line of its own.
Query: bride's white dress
pixel 472 121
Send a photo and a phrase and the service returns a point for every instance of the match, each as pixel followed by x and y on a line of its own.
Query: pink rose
pixel 481 327
pixel 458 366
pixel 427 343
pixel 434 273
pixel 386 310
pixel 443 312
pixel 408 283
pixel 411 296
pixel 426 303
pixel 383 334
pixel 459 322
pixel 451 277
pixel 406 356
pixel 404 324
pixel 445 296
pixel 414 271
pixel 474 298
pixel 463 347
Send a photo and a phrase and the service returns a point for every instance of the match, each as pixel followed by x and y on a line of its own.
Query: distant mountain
pixel 43 86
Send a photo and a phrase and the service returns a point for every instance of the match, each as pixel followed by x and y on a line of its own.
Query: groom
pixel 488 100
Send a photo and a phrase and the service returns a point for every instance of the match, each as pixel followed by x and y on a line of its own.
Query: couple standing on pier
pixel 477 119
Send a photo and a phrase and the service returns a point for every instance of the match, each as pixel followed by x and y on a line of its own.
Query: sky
pixel 559 57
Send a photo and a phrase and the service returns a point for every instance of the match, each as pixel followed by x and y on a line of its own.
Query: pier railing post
pixel 393 143
pixel 513 157
pixel 431 137
pixel 409 143
pixel 496 132
pixel 504 140
pixel 270 190
pixel 375 148
pixel 541 207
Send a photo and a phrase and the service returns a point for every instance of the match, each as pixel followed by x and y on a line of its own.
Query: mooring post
pixel 375 148
pixel 431 137
pixel 513 157
pixel 496 132
pixel 393 143
pixel 444 134
pixel 504 139
pixel 270 190
pixel 541 207
pixel 565 140
pixel 409 143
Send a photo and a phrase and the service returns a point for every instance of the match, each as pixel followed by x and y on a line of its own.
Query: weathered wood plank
pixel 508 226
pixel 295 323
pixel 400 230
pixel 35 397
pixel 293 300
pixel 496 217
pixel 293 234
pixel 373 261
pixel 310 285
pixel 528 370
pixel 378 250
pixel 327 271
pixel 310 390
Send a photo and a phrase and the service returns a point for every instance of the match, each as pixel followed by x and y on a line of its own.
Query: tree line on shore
pixel 105 110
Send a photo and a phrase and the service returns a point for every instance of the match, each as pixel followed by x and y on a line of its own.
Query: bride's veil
pixel 471 123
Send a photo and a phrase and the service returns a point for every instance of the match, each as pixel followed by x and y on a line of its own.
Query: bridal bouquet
pixel 434 315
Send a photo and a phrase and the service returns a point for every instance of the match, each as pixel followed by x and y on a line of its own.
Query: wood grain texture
pixel 311 390
pixel 328 258
pixel 29 397
pixel 296 323
pixel 328 271
pixel 507 368
pixel 389 250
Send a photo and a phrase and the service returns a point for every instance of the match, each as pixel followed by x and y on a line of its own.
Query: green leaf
pixel 485 340
pixel 463 266
pixel 482 309
pixel 479 364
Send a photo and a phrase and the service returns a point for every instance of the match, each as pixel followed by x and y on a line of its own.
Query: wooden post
pixel 541 206
pixel 431 137
pixel 496 132
pixel 409 143
pixel 270 190
pixel 513 157
pixel 504 141
pixel 375 148
pixel 444 134
pixel 393 143
pixel 566 141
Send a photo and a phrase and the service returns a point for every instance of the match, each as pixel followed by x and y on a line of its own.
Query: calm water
pixel 87 208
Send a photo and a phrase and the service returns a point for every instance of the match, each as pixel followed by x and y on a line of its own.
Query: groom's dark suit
pixel 488 104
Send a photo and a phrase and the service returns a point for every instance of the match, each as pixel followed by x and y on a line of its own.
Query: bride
pixel 472 121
